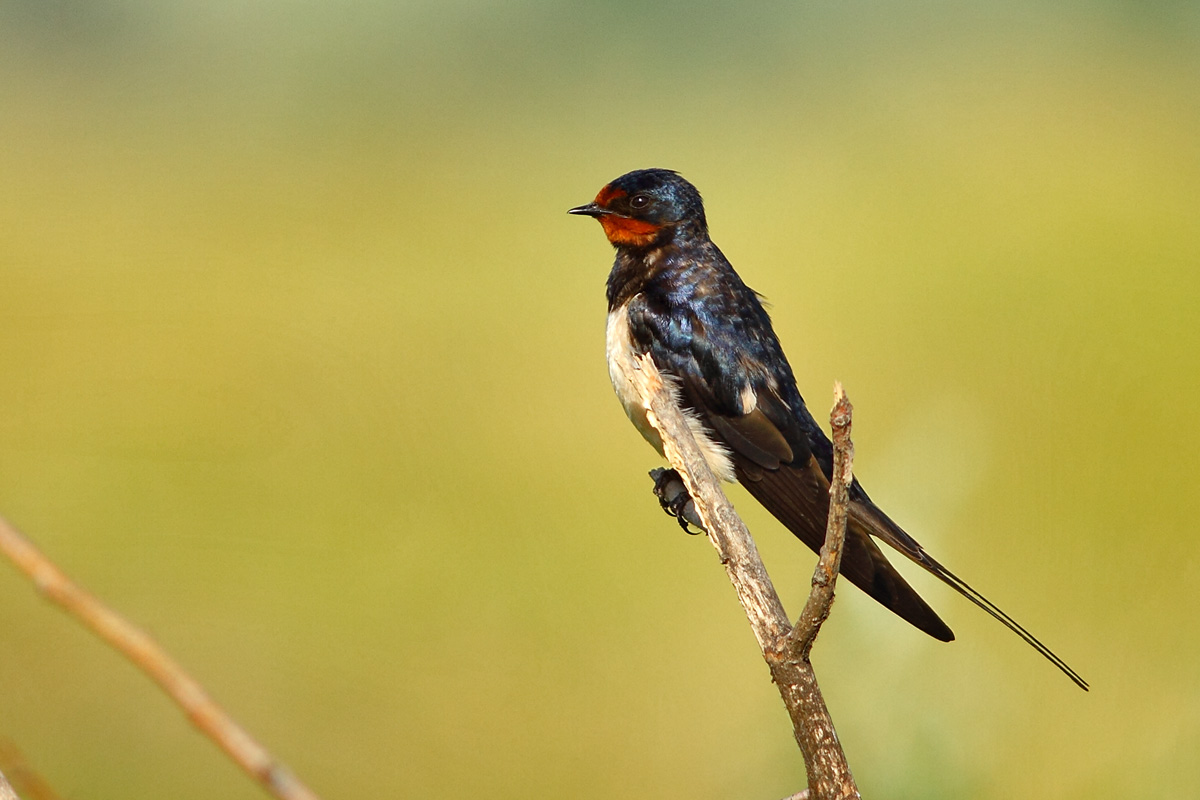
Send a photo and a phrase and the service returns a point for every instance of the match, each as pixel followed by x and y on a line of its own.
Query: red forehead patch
pixel 608 194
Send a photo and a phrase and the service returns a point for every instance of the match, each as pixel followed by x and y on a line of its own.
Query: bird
pixel 674 297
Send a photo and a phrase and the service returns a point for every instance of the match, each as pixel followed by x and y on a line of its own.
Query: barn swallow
pixel 674 296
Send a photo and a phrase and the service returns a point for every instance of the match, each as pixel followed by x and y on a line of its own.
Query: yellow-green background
pixel 301 367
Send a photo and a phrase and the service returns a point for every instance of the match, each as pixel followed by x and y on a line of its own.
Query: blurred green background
pixel 302 369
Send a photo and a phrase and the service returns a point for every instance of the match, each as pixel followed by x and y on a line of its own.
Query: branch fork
pixel 785 648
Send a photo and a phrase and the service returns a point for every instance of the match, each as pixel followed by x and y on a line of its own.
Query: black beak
pixel 590 210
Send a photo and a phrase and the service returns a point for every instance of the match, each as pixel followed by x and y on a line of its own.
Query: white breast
pixel 622 365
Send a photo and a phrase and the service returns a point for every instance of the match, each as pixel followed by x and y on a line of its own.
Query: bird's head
pixel 646 207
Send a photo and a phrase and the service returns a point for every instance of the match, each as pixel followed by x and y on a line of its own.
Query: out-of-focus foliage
pixel 301 367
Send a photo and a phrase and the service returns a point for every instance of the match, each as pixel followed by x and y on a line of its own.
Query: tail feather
pixel 799 498
pixel 880 525
pixel 961 586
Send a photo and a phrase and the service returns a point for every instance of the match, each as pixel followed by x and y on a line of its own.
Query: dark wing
pixel 732 374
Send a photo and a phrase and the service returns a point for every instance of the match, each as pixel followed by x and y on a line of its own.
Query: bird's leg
pixel 674 498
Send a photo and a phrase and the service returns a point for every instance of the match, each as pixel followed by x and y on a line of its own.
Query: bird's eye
pixel 639 201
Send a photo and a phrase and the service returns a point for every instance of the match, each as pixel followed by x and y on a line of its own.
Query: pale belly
pixel 621 368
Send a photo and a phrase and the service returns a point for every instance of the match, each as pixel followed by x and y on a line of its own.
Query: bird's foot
pixel 674 498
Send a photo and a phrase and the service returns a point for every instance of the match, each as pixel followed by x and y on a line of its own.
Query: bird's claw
pixel 673 496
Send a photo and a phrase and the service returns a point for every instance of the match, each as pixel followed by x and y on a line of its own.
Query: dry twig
pixel 148 655
pixel 784 649
pixel 820 599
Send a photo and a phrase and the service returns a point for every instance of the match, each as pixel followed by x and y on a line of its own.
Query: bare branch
pixel 143 651
pixel 820 599
pixel 828 773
